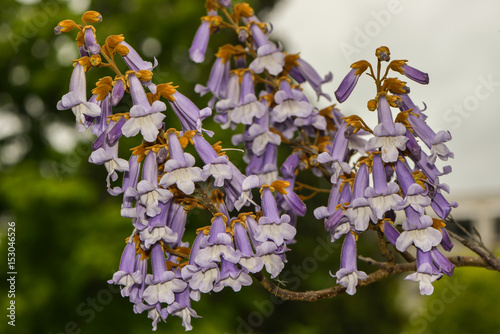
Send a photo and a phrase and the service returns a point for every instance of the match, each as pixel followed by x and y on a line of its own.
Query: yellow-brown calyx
pixel 217 197
pixel 258 215
pixel 420 178
pixel 140 151
pixel 114 40
pixel 66 26
pixel 91 16
pixel 116 117
pixel 264 187
pixel 155 148
pixel 218 148
pixel 95 60
pixel 360 66
pixel 382 222
pixel 189 203
pixel 402 118
pixel 287 79
pixel 214 20
pixel 368 161
pixel 205 230
pixel 291 61
pixel 91 28
pixel 170 265
pixel 171 130
pixel 313 161
pixel 129 72
pixel 383 53
pixel 395 65
pixel 267 97
pixel 237 221
pixel 226 51
pixel 120 78
pixel 323 142
pixel 138 249
pixel 262 25
pixel 342 206
pixel 211 5
pixel 280 186
pixel 166 90
pixel 113 45
pixel 243 216
pixel 221 215
pixel 240 72
pixel 327 114
pixel 347 179
pixel 372 105
pixel 373 154
pixel 103 88
pixel 189 135
pixel 242 32
pixel 182 140
pixel 144 75
pixel 357 123
pixel 84 61
pixel 80 38
pixel 438 224
pixel 394 85
pixel 135 239
pixel 178 195
pixel 393 100
pixel 151 98
pixel 242 10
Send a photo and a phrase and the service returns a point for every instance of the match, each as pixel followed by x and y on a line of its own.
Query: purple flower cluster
pixel 404 179
pixel 373 175
pixel 265 96
pixel 160 272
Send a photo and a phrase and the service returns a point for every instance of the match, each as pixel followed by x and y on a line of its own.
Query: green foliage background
pixel 69 233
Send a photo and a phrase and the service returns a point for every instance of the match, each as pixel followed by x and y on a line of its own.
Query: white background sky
pixel 456 41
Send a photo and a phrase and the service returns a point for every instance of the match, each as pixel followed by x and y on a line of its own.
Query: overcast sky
pixel 456 42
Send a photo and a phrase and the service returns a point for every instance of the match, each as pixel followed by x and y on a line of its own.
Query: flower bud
pixel 383 53
pixel 91 16
pixel 65 26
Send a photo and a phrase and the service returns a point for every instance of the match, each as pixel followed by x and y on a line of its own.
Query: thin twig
pixel 299 185
pixel 383 247
pixel 407 256
pixel 479 249
pixel 177 253
pixel 311 296
pixel 373 262
pixel 206 199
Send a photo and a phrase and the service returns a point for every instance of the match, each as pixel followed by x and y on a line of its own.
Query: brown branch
pixel 373 262
pixel 300 185
pixel 479 249
pixel 407 256
pixel 386 271
pixel 383 247
pixel 207 202
pixel 175 252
